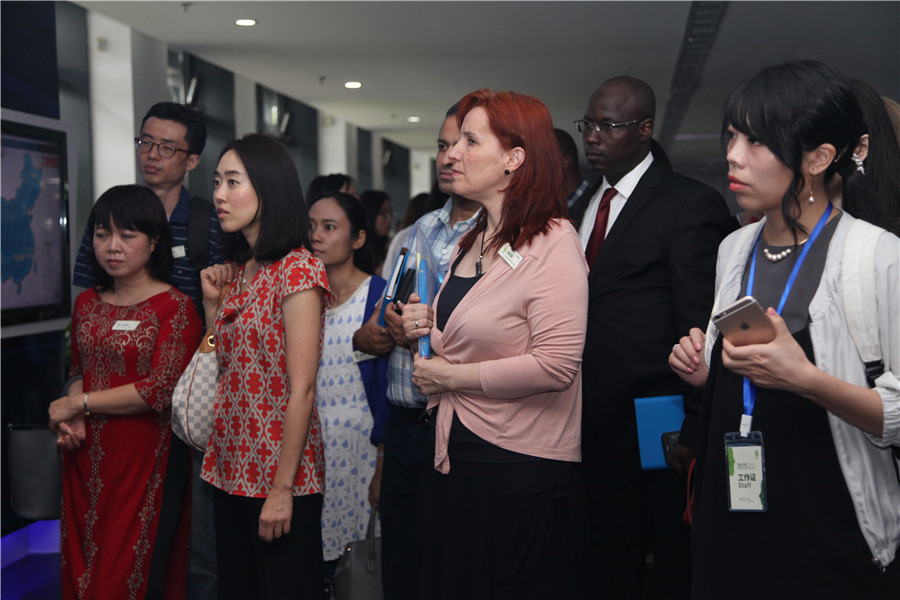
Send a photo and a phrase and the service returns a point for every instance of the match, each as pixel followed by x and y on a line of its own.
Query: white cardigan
pixel 867 463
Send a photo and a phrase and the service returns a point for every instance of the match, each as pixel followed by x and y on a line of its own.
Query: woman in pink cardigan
pixel 502 513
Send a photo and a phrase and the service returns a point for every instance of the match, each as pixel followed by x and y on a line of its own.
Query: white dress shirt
pixel 624 189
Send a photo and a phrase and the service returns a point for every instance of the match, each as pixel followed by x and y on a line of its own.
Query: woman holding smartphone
pixel 804 493
pixel 265 453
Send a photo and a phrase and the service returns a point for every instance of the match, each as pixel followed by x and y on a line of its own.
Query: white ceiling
pixel 418 58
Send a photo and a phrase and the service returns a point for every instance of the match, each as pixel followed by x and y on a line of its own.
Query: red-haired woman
pixel 502 513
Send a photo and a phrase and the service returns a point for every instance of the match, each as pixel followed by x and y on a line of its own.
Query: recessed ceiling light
pixel 245 22
pixel 413 119
pixel 352 85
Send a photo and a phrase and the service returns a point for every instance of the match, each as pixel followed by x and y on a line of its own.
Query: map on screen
pixel 32 249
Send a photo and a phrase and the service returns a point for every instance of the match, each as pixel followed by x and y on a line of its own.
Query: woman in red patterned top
pixel 265 455
pixel 132 336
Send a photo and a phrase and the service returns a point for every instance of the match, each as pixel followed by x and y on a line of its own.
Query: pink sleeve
pixel 556 312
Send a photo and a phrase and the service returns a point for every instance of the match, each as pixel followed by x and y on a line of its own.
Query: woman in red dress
pixel 132 336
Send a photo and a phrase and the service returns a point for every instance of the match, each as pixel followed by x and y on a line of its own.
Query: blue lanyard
pixel 749 387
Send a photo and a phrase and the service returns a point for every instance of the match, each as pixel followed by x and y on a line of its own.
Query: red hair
pixel 536 191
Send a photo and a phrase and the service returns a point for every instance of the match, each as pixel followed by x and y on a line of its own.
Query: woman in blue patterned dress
pixel 351 387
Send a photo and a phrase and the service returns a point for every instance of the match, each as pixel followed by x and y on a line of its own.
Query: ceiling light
pixel 245 22
pixel 352 85
pixel 413 119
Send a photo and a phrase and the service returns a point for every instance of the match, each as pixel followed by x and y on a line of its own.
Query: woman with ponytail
pixel 794 420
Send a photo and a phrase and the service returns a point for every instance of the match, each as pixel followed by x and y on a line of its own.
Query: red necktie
pixel 598 234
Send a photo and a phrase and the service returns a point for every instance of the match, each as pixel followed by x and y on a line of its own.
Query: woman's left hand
pixel 417 319
pixel 63 409
pixel 275 516
pixel 776 365
pixel 431 375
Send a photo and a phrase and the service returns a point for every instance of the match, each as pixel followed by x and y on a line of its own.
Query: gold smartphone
pixel 745 322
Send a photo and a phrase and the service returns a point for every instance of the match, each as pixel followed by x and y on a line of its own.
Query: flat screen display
pixel 35 256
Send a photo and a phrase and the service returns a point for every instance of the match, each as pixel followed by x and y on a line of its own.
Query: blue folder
pixel 656 416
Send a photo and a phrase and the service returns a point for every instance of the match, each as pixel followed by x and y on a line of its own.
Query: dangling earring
pixel 506 171
pixel 859 163
pixel 811 197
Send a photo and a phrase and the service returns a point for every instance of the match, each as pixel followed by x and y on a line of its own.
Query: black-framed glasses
pixel 604 127
pixel 144 146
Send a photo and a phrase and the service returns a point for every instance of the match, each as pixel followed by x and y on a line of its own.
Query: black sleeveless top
pixel 808 544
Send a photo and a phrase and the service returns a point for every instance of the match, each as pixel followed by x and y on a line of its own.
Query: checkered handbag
pixel 194 398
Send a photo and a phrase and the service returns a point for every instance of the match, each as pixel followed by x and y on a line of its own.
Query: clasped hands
pixel 67 421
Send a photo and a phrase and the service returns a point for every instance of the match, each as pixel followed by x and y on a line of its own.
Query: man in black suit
pixel 651 238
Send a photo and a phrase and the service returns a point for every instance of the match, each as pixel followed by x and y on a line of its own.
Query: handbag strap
pixel 370 542
pixel 208 343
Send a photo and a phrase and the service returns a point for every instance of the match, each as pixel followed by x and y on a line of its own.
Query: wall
pixel 112 102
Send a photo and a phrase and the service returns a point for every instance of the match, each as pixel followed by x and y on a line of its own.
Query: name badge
pixel 511 257
pixel 178 252
pixel 125 325
pixel 745 461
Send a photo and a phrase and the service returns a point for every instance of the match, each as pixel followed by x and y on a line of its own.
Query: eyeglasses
pixel 165 150
pixel 585 125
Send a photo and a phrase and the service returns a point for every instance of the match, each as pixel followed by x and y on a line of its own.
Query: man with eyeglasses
pixel 169 145
pixel 650 237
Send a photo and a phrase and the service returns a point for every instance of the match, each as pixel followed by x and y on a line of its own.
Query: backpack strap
pixel 198 232
pixel 860 300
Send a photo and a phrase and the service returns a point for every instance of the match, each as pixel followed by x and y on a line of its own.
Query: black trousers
pixel 633 512
pixel 406 453
pixel 287 567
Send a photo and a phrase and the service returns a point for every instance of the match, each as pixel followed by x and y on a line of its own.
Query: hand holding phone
pixel 745 322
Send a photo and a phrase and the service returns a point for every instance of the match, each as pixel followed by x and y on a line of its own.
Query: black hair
pixel 363 258
pixel 187 116
pixel 794 108
pixel 567 146
pixel 436 199
pixel 326 185
pixel 283 223
pixel 372 201
pixel 452 111
pixel 416 208
pixel 883 159
pixel 136 208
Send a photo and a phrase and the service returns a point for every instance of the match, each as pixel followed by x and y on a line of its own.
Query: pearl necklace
pixel 779 256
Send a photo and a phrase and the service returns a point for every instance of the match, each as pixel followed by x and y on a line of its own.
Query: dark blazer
pixel 651 282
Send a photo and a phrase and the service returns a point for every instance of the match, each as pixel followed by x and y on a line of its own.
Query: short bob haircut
pixel 136 208
pixel 283 223
pixel 363 257
pixel 794 108
pixel 185 115
pixel 536 192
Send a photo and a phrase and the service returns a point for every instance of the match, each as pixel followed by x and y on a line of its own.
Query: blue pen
pixel 425 340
